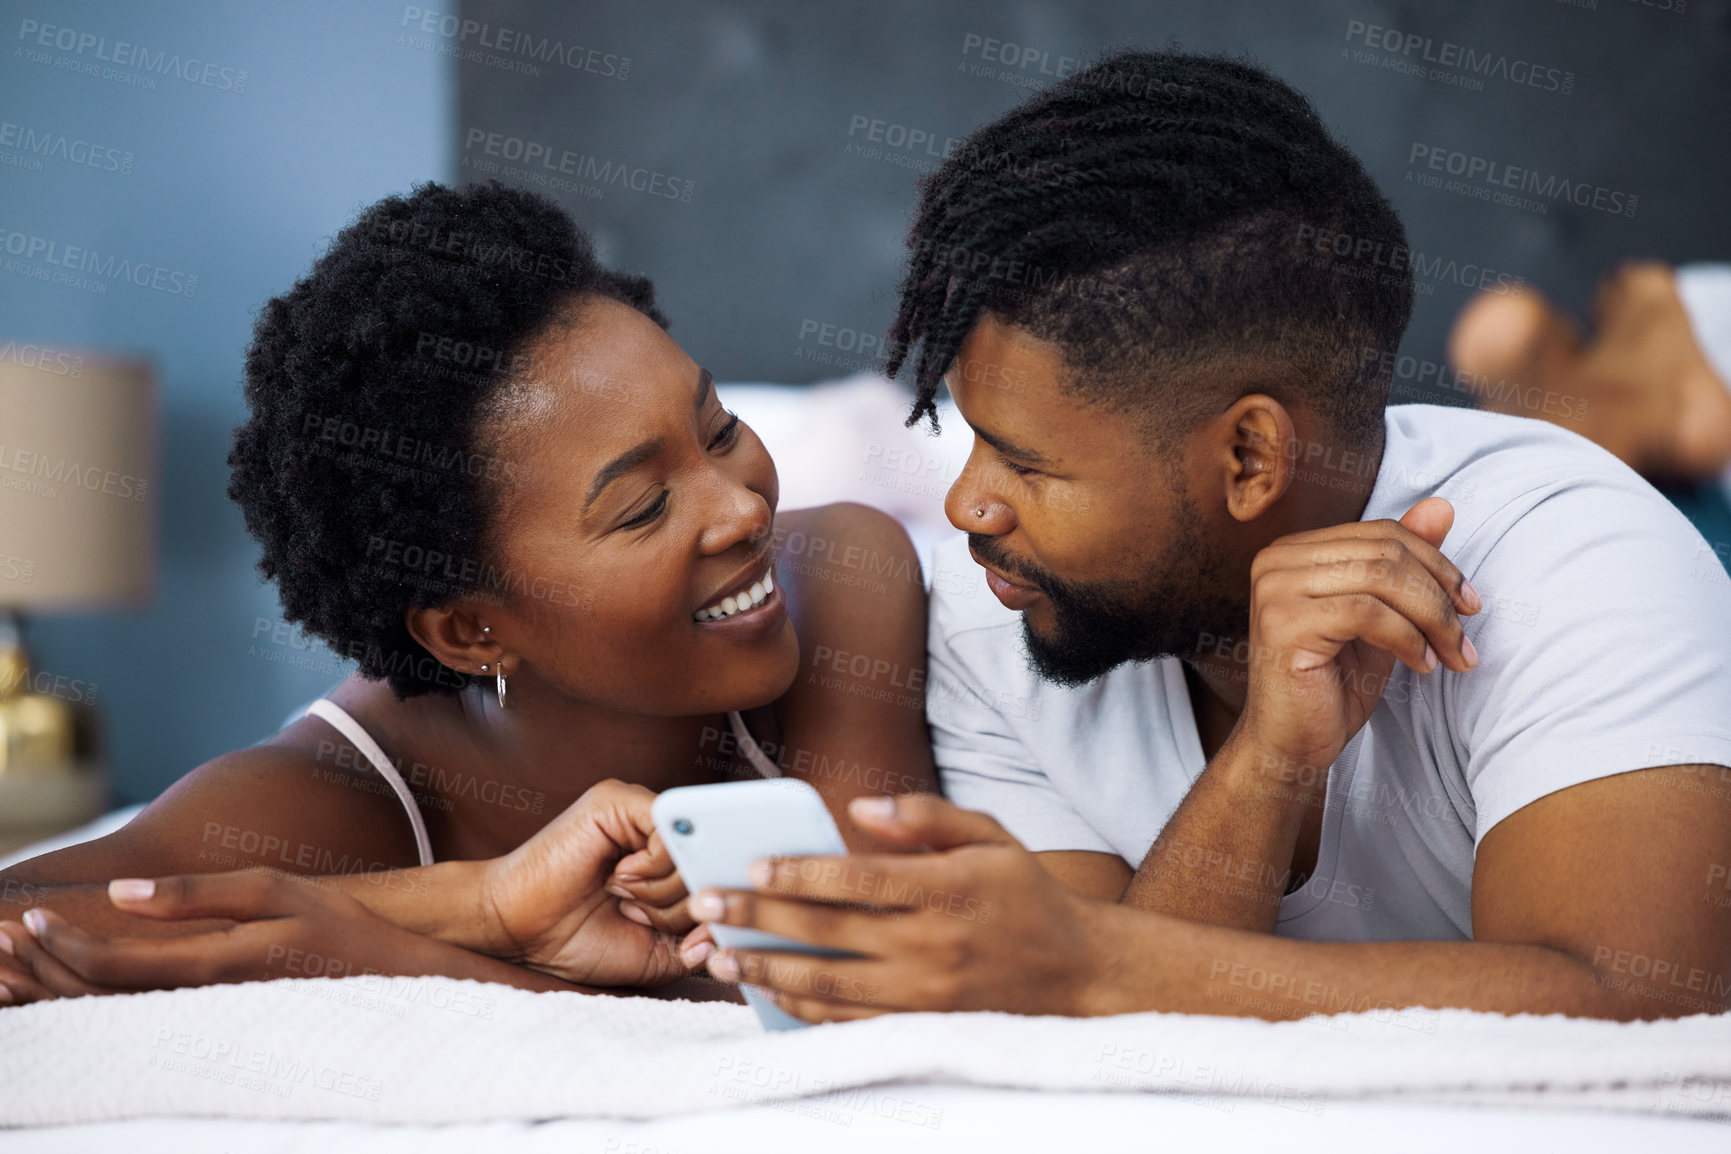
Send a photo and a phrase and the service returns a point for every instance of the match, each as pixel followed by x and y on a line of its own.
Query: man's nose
pixel 974 508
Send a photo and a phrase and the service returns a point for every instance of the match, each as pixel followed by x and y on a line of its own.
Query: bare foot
pixel 1641 388
pixel 1645 335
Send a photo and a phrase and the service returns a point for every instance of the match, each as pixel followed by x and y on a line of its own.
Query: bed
pixel 431 1064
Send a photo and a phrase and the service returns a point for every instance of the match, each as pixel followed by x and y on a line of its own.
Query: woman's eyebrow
pixel 619 466
pixel 635 456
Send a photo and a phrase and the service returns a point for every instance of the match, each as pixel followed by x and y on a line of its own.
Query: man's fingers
pixel 818 1010
pixel 1430 521
pixel 1343 545
pixel 1391 570
pixel 834 927
pixel 1367 619
pixel 926 819
pixel 802 977
pixel 697 946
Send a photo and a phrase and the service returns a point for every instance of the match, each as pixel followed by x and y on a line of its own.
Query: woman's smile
pixel 750 606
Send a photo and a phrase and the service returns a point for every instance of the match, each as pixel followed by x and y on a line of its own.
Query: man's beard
pixel 1100 625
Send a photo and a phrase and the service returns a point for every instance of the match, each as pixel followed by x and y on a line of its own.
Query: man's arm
pixel 1330 611
pixel 1101 876
pixel 1607 899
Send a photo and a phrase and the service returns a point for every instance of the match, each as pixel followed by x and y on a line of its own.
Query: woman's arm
pixel 264 807
pixel 552 904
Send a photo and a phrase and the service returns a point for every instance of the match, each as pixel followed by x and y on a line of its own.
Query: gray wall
pixel 753 102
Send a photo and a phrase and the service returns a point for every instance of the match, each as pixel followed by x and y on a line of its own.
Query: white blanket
pixel 433 1050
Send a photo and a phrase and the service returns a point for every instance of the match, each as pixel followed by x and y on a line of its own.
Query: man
pixel 1326 707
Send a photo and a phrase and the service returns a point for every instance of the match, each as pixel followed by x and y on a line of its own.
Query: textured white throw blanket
pixel 433 1050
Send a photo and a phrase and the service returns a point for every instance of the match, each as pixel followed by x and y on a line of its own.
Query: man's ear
pixel 457 635
pixel 1258 456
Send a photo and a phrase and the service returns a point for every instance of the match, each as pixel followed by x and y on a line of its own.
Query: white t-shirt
pixel 1604 646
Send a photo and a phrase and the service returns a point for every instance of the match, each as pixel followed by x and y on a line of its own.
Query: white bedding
pixel 434 1050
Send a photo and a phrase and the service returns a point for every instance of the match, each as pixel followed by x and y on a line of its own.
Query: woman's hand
pixel 593 897
pixel 285 926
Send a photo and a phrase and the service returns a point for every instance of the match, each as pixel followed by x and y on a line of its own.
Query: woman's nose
pixel 745 518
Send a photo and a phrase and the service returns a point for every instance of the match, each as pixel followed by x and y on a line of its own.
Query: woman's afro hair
pixel 364 468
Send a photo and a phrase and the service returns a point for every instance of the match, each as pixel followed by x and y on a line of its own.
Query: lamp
pixel 77 532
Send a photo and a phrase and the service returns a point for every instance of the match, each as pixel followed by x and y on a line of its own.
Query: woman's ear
pixel 456 635
pixel 1260 455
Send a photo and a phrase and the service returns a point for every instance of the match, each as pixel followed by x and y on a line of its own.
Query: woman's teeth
pixel 739 603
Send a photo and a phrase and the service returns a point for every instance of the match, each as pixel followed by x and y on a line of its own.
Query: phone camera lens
pixel 682 825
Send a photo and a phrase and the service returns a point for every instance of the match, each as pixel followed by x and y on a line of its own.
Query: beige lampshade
pixel 77 479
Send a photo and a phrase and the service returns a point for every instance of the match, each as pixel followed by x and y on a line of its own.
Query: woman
pixel 478 466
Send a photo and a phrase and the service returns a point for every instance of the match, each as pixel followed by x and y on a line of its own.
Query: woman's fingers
pixel 243 895
pixel 665 892
pixel 49 972
pixel 17 984
pixel 106 964
pixel 652 861
pixel 674 919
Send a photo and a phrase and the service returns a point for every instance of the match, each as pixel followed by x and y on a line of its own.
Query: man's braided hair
pixel 1162 217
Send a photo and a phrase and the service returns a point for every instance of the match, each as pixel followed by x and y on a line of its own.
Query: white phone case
pixel 714 833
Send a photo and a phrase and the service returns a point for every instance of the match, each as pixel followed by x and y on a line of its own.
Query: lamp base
pixel 50 778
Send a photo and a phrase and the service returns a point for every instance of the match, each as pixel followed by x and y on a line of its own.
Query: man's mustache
pixel 989 550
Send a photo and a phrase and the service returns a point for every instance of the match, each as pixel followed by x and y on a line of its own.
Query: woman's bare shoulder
pixel 295 802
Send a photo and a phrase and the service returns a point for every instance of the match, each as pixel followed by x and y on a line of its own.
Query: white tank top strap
pixel 760 760
pixel 339 719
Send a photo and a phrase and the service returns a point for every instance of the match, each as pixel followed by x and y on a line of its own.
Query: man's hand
pixel 977 924
pixel 1330 612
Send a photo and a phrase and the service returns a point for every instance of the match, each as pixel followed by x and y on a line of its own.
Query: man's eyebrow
pixel 1009 448
pixel 619 466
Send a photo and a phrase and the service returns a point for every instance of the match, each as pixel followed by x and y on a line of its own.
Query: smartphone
pixel 714 833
